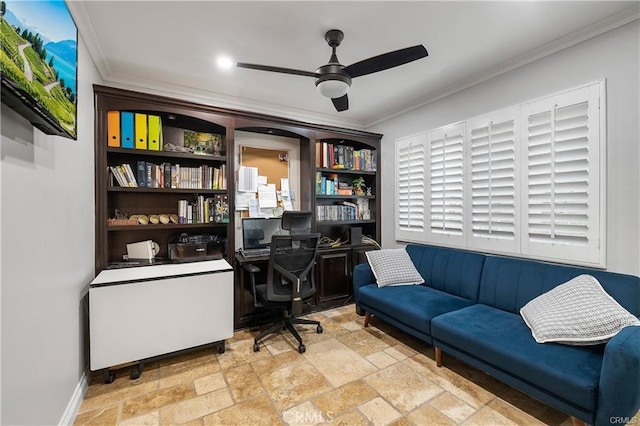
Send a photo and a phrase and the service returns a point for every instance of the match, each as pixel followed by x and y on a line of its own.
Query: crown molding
pixel 89 37
pixel 597 28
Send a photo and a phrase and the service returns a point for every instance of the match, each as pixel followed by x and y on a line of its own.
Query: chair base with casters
pixel 287 322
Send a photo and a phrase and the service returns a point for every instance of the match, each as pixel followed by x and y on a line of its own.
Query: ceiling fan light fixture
pixel 333 88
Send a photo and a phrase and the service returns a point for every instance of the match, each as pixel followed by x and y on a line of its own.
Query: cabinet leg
pixel 367 318
pixel 221 347
pixel 108 376
pixel 137 370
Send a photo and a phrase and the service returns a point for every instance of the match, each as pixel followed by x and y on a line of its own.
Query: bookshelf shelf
pixel 165 190
pixel 346 171
pixel 345 197
pixel 148 227
pixel 167 154
pixel 344 222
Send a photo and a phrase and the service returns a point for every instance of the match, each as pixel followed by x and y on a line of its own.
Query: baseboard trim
pixel 69 414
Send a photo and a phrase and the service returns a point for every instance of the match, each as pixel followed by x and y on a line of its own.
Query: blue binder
pixel 126 126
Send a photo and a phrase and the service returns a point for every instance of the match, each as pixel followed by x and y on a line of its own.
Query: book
pixel 221 214
pixel 131 177
pixel 117 173
pixel 142 173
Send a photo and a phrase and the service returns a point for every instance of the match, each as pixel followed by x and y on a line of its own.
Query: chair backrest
pixel 297 222
pixel 290 273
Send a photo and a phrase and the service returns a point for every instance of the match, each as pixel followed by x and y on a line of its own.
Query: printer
pixel 192 248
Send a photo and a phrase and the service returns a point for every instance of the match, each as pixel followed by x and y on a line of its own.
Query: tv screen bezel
pixel 15 97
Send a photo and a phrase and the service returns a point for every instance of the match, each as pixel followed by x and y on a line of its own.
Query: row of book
pixel 339 156
pixel 344 211
pixel 167 175
pixel 134 130
pixel 204 210
pixel 329 185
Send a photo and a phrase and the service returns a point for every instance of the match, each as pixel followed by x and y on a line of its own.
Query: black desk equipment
pixel 289 282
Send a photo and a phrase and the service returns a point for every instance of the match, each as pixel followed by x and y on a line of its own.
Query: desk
pixel 333 277
pixel 142 312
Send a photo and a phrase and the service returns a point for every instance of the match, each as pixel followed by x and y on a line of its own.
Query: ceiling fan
pixel 334 79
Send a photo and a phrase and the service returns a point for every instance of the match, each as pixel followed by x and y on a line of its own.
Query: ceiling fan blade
pixel 386 61
pixel 276 69
pixel 341 103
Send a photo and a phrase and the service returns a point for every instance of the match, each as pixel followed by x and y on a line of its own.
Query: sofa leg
pixel 577 422
pixel 438 356
pixel 367 318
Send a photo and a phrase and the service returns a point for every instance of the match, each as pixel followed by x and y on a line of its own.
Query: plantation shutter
pixel 446 160
pixel 492 214
pixel 410 188
pixel 563 177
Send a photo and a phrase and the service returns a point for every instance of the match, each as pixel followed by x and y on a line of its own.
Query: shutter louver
pixel 446 184
pixel 493 186
pixel 410 188
pixel 563 175
pixel 559 175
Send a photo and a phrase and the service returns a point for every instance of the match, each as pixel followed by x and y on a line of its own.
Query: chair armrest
pixel 252 269
pixel 619 390
pixel 362 276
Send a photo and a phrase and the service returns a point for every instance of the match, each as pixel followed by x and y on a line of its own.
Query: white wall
pixel 613 56
pixel 47 240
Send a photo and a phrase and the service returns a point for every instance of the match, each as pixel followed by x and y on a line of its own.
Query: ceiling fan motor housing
pixel 331 80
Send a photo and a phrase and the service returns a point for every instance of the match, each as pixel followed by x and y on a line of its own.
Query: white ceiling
pixel 170 48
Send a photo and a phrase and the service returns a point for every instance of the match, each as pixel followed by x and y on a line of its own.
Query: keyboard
pixel 259 252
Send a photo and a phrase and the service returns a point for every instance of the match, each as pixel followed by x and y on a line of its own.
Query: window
pixel 562 169
pixel 493 212
pixel 446 160
pixel 526 180
pixel 410 187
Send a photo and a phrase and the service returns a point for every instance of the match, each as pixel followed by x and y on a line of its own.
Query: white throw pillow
pixel 393 267
pixel 578 312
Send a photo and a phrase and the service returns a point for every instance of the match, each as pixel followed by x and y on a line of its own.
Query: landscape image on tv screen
pixel 38 59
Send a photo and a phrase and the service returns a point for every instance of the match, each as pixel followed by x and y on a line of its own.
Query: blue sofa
pixel 469 307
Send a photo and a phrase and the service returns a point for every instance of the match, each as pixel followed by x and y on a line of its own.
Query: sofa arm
pixel 619 391
pixel 362 276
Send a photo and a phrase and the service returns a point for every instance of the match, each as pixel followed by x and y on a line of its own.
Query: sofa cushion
pixel 453 271
pixel 414 306
pixel 503 340
pixel 393 267
pixel 578 312
pixel 509 284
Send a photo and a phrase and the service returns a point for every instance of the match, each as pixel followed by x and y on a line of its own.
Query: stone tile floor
pixel 349 375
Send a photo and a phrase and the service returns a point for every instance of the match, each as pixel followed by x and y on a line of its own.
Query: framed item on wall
pixel 39 62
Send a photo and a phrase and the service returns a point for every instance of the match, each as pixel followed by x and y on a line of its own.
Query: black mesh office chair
pixel 289 283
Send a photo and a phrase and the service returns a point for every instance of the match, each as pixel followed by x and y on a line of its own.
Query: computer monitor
pixel 257 232
pixel 297 222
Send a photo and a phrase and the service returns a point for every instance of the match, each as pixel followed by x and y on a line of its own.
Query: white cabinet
pixel 139 313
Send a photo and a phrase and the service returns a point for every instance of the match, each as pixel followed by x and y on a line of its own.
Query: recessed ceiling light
pixel 225 62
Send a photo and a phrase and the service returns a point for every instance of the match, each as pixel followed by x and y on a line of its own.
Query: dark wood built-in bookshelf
pixel 336 263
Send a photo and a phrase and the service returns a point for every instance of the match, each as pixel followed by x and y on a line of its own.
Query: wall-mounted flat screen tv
pixel 39 63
